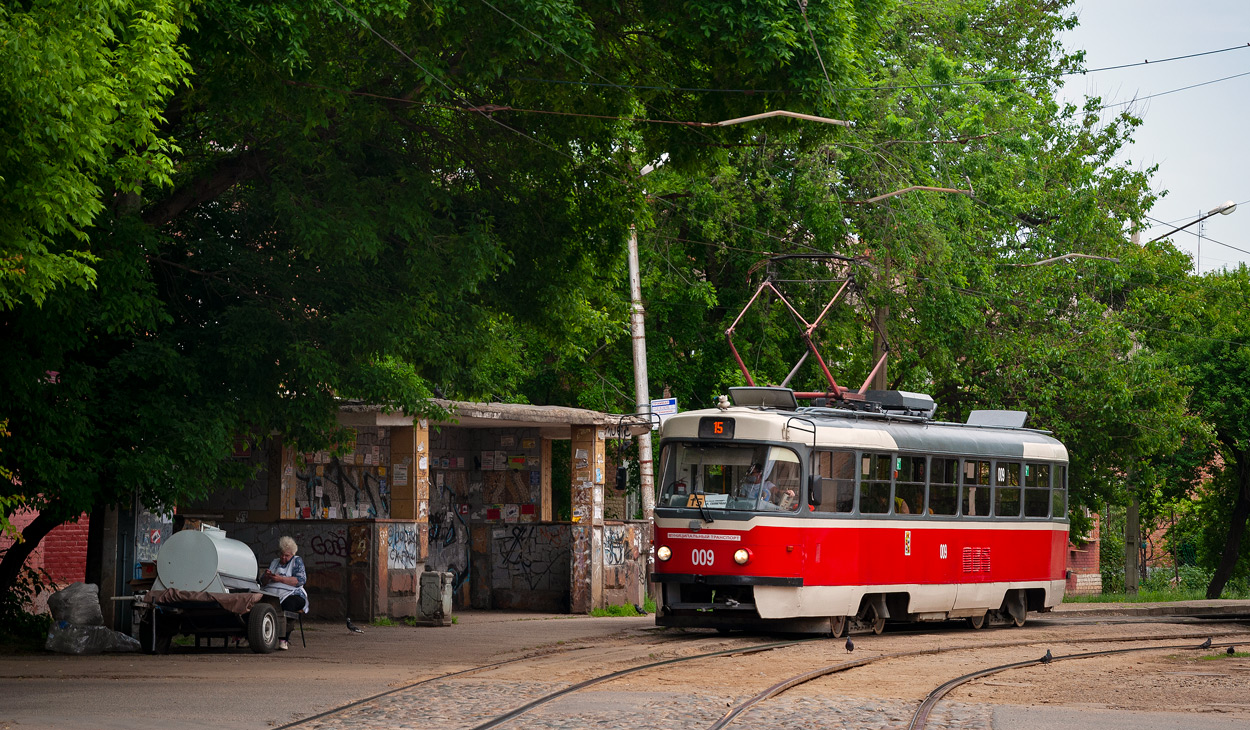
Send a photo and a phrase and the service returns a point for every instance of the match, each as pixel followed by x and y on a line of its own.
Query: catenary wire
pixel 1030 77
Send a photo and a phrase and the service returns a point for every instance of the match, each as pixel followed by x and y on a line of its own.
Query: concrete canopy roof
pixel 555 422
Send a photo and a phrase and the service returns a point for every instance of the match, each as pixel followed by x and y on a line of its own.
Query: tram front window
pixel 755 478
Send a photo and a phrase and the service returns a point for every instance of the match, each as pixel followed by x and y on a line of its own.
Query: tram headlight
pixel 663 553
pixel 742 556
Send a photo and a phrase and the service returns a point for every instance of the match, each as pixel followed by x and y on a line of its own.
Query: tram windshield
pixel 747 477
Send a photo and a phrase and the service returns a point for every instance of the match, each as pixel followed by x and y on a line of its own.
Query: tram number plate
pixel 702 556
pixel 716 428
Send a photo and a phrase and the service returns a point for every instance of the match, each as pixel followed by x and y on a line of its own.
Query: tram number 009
pixel 702 556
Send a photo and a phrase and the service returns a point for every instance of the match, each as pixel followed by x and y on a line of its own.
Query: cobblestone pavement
pixel 455 704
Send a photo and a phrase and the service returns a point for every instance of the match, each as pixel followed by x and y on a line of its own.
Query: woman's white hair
pixel 286 543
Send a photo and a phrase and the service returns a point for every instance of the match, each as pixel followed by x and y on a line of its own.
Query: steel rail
pixel 465 673
pixel 513 714
pixel 797 680
pixel 922 713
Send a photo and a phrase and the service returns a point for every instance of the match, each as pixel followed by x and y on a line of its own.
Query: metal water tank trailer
pixel 205 561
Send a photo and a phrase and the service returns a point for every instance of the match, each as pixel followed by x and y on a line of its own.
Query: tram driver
pixel 756 486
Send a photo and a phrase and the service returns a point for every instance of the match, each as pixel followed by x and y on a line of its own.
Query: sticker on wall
pixel 535 478
pixel 511 512
pixel 401 475
pixel 438 479
pixel 598 475
pixel 581 454
pixel 492 513
pixel 507 442
pixel 320 470
pixel 317 491
pixel 516 463
pixel 501 460
pixel 527 443
pixel 907 542
pixel 332 513
pixel 488 461
pixel 532 462
pixel 423 464
pixel 425 423
pixel 464 509
pixel 381 471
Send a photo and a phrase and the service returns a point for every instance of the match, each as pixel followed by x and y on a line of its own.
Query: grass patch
pixel 383 621
pixel 623 610
pixel 1234 655
pixel 1143 596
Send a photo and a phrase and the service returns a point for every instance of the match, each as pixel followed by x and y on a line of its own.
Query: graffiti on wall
pixel 531 556
pixel 347 486
pixel 449 533
pixel 403 547
pixel 321 546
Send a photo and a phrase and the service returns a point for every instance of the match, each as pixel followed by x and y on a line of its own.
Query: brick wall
pixel 63 553
pixel 1084 576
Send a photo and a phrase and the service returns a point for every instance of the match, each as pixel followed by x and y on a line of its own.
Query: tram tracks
pixel 919 720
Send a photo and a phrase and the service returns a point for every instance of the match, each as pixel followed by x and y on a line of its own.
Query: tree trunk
pixel 1236 528
pixel 15 556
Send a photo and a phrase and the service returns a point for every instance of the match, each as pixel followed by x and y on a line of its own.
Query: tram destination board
pixel 716 428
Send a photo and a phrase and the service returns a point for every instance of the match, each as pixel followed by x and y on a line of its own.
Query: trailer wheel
pixel 262 628
pixel 977 622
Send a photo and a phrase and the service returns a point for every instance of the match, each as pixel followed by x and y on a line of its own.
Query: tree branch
pixel 228 173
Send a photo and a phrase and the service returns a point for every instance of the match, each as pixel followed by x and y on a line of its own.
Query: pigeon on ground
pixel 1206 644
pixel 850 645
pixel 353 627
pixel 1231 650
pixel 1046 659
pixel 640 610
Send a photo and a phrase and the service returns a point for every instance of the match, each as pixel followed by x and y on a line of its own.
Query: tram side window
pixel 1059 494
pixel 837 472
pixel 976 488
pixel 1037 490
pixel 909 487
pixel 874 484
pixel 1006 489
pixel 943 486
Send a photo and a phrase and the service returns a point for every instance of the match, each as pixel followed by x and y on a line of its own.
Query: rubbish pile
pixel 78 623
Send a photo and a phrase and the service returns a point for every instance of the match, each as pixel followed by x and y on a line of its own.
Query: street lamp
pixel 1224 208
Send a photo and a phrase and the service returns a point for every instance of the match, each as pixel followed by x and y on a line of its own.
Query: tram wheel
pixel 977 622
pixel 873 618
pixel 837 625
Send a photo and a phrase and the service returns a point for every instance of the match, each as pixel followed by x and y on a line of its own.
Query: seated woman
pixel 287 576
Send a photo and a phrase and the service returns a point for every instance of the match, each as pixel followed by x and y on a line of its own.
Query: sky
pixel 1199 138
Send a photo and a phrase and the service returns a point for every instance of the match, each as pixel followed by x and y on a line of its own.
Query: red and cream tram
pixel 828 519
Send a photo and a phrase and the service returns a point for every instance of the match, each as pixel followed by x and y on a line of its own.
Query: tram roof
pixel 874 431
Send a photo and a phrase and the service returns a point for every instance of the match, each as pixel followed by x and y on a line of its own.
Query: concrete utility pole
pixel 1132 544
pixel 642 397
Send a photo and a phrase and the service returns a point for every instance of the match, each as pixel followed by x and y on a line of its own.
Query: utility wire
pixel 1057 74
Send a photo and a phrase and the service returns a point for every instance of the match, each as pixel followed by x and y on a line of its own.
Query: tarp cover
pixel 239 603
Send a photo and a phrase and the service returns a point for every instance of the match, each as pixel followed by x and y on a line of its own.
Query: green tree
pixel 83 87
pixel 352 209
